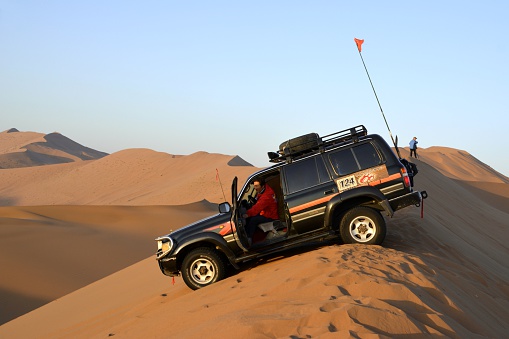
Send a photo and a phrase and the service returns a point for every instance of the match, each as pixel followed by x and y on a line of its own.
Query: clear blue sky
pixel 239 77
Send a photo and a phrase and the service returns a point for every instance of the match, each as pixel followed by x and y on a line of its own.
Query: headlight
pixel 164 246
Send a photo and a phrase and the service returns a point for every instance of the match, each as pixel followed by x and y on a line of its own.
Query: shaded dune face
pixel 50 251
pixel 57 143
pixel 27 149
pixel 88 259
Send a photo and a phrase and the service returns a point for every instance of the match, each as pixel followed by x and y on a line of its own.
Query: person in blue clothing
pixel 413 147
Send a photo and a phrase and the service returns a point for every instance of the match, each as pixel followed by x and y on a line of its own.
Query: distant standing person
pixel 413 147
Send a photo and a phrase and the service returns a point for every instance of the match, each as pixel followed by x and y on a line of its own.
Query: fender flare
pixel 363 191
pixel 209 237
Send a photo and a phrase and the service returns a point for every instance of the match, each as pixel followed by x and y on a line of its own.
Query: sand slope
pixel 442 276
pixel 457 164
pixel 49 251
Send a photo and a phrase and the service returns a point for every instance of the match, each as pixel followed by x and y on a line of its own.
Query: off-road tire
pixel 362 225
pixel 202 267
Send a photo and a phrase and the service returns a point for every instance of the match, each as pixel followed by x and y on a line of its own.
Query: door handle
pixel 328 192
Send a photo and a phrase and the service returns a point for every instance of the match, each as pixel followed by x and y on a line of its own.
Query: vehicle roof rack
pixel 352 133
pixel 298 150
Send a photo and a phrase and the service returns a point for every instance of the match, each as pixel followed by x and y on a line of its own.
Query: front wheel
pixel 202 267
pixel 362 225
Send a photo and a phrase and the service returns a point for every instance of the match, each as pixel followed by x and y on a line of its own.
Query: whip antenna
pixel 220 184
pixel 359 43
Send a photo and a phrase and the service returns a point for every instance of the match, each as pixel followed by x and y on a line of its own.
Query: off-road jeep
pixel 336 185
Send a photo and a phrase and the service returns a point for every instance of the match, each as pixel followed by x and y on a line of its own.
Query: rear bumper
pixel 168 266
pixel 413 198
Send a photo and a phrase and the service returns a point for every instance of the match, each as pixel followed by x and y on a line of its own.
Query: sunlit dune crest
pixel 458 164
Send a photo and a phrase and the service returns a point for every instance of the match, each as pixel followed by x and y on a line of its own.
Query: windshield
pixel 249 191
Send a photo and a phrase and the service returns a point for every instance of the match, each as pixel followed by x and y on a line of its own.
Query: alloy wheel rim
pixel 202 271
pixel 362 229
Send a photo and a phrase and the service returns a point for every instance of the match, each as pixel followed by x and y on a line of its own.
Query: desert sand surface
pixel 49 251
pixel 444 275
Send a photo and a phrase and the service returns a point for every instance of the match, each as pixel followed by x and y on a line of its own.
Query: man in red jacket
pixel 265 208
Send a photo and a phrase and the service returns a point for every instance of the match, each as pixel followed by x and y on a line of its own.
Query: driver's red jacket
pixel 266 204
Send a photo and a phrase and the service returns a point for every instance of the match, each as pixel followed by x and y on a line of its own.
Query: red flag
pixel 359 43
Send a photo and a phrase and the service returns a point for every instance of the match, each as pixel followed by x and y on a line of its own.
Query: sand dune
pixel 49 251
pixel 442 276
pixel 129 177
pixel 457 164
pixel 468 171
pixel 27 149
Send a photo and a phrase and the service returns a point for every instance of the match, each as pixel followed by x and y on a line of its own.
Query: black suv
pixel 336 185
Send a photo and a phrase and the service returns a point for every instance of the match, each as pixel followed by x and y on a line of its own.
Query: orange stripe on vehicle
pixel 325 199
pixel 381 181
pixel 311 204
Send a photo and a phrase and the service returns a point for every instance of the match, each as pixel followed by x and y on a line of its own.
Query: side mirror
pixel 224 207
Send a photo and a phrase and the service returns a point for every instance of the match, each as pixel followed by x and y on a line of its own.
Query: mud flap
pixel 387 207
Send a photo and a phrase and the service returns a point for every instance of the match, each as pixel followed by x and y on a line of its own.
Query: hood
pixel 219 223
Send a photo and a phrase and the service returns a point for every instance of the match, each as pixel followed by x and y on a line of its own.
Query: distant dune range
pixel 27 149
pixel 128 177
pixel 77 229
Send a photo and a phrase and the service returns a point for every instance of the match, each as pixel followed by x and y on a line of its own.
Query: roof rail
pixel 352 133
pixel 297 150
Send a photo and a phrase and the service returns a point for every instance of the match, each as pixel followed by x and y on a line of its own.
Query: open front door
pixel 237 220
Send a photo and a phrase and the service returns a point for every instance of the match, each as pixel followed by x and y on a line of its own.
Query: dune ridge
pixel 457 164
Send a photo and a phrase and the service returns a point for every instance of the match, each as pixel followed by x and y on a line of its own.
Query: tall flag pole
pixel 359 43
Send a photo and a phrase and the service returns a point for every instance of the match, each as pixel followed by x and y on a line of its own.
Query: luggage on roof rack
pixel 303 143
pixel 312 142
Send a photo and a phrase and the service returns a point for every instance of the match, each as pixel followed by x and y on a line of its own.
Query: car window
pixel 343 162
pixel 305 173
pixel 323 174
pixel 353 159
pixel 366 155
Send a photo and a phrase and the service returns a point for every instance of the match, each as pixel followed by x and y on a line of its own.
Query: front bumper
pixel 167 263
pixel 412 198
pixel 169 266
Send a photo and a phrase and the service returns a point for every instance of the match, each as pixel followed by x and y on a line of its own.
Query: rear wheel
pixel 202 267
pixel 362 225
